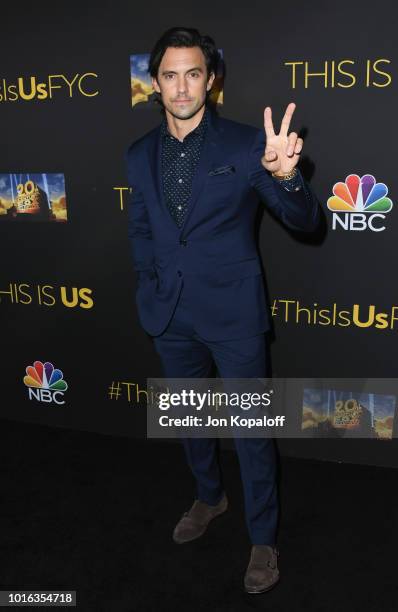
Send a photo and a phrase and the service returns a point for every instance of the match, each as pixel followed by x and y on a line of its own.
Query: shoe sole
pixel 202 532
pixel 253 590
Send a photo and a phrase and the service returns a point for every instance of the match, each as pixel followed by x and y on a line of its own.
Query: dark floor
pixel 95 514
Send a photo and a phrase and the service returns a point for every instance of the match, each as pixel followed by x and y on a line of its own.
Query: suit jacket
pixel 215 250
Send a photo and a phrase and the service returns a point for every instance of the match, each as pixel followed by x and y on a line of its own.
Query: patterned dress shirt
pixel 179 162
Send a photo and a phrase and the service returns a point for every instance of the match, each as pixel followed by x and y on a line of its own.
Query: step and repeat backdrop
pixel 74 94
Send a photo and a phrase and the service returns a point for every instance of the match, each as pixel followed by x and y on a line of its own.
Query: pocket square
pixel 222 170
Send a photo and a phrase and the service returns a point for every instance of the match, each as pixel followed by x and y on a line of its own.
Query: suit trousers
pixel 184 354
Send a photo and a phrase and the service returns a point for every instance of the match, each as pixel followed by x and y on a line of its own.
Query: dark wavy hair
pixel 184 37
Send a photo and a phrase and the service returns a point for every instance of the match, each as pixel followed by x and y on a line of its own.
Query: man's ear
pixel 155 85
pixel 210 81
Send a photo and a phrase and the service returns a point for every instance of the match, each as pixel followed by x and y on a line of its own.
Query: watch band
pixel 286 176
pixel 293 184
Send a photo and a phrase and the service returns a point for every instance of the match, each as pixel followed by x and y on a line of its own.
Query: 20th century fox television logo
pixel 45 383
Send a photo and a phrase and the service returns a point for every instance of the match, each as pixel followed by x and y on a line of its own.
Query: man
pixel 196 180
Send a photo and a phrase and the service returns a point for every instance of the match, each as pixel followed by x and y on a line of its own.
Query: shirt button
pixel 180 180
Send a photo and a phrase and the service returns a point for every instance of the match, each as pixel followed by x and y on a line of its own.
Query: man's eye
pixel 169 76
pixel 195 74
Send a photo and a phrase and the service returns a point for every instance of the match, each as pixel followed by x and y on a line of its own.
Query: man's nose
pixel 182 85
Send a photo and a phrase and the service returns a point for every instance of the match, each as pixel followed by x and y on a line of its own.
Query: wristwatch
pixel 286 176
pixel 291 181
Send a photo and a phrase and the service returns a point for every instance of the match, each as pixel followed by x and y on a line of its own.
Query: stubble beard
pixel 185 113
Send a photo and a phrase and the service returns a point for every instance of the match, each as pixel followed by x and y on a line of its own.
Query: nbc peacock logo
pixel 45 383
pixel 359 203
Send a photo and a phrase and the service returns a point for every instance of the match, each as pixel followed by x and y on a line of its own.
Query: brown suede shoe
pixel 262 572
pixel 194 522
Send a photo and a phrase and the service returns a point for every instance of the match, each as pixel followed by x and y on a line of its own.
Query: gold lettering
pixel 371 316
pixel 353 79
pixel 314 74
pixel 48 295
pixel 85 93
pixel 86 302
pixel 50 83
pixel 22 93
pixel 293 64
pixel 69 83
pixel 69 303
pixel 389 79
pixel 120 190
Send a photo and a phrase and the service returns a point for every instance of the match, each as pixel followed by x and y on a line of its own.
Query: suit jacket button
pixel 183 242
pixel 179 272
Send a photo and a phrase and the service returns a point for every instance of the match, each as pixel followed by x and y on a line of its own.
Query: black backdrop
pixel 349 127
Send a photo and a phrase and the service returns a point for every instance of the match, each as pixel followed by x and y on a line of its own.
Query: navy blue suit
pixel 215 247
pixel 200 290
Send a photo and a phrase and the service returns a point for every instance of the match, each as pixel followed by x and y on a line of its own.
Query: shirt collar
pixel 199 130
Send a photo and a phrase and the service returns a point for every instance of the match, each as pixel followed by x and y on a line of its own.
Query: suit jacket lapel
pixel 207 156
pixel 155 162
pixel 208 152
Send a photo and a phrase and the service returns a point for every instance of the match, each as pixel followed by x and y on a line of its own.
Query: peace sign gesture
pixel 282 151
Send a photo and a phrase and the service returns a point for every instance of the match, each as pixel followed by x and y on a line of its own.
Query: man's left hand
pixel 282 151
